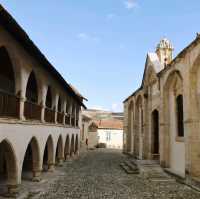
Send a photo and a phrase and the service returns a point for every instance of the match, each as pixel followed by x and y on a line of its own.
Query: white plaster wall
pixel 19 135
pixel 116 140
pixel 177 149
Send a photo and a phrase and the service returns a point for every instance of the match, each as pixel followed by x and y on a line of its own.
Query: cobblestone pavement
pixel 97 175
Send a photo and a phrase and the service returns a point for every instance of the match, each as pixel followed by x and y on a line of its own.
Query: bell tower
pixel 164 51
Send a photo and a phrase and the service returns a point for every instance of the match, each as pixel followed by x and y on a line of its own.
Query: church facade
pixel 40 113
pixel 162 117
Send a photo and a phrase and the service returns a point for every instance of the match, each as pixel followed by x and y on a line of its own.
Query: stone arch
pixel 138 141
pixel 59 151
pixel 67 147
pixel 7 74
pixel 130 126
pixel 194 79
pixel 8 166
pixel 9 103
pixel 173 148
pixel 49 114
pixel 72 146
pixel 32 88
pixel 155 134
pixel 76 145
pixel 48 156
pixel 32 160
pixel 49 100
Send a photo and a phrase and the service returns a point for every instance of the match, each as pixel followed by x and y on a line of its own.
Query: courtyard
pixel 96 174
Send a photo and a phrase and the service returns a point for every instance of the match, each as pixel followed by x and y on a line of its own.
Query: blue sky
pixel 100 46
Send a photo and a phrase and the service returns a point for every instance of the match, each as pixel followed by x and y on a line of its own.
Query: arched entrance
pixel 9 103
pixel 48 159
pixel 67 149
pixel 59 151
pixel 174 153
pixel 49 113
pixel 32 110
pixel 31 164
pixel 155 134
pixel 8 168
pixel 72 146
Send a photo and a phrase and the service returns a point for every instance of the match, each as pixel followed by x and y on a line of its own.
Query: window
pixel 108 136
pixel 179 115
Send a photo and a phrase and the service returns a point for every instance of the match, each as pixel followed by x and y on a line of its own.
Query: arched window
pixel 7 79
pixel 179 116
pixel 31 89
pixel 49 98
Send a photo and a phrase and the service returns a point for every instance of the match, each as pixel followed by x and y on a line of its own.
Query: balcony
pixel 9 105
pixel 32 111
pixel 60 117
pixel 49 115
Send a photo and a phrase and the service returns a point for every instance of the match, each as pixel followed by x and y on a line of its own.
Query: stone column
pixel 51 167
pixel 36 176
pixel 64 112
pixel 12 190
pixel 43 111
pixel 75 116
pixel 21 108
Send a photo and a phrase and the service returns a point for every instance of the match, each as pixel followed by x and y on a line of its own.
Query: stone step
pixel 131 165
pixel 128 169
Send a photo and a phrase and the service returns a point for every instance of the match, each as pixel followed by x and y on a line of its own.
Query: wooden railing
pixel 60 117
pixel 32 111
pixel 9 105
pixel 67 119
pixel 49 115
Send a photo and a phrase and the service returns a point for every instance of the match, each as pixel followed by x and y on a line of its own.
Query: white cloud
pixel 117 107
pixel 130 4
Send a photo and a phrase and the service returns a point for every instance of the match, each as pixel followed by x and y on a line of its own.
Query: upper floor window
pixel 179 115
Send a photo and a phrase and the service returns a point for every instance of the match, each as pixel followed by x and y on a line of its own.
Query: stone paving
pixel 97 175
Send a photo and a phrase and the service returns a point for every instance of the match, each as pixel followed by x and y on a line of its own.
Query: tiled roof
pixel 109 124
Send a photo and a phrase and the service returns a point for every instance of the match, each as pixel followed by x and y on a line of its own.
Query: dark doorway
pixel 155 132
